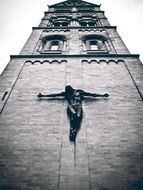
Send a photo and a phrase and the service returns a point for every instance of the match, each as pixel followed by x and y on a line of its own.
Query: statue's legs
pixel 75 114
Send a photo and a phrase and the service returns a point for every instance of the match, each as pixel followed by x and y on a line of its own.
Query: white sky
pixel 17 17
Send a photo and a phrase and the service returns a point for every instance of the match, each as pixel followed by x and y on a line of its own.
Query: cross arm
pixel 40 95
pixel 94 94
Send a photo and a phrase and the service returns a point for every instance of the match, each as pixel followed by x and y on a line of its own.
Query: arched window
pixel 83 23
pixel 91 23
pixel 60 22
pixel 88 22
pixel 95 43
pixel 53 43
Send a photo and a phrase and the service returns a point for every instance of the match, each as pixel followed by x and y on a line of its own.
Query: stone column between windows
pixel 47 45
pixel 87 45
pixel 74 47
pixel 61 45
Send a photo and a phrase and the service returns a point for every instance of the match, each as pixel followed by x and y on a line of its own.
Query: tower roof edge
pixel 74 2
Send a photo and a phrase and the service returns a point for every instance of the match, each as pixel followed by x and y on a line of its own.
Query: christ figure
pixel 74 98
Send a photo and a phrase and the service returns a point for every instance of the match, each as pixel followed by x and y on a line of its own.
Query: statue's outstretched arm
pixel 94 94
pixel 51 95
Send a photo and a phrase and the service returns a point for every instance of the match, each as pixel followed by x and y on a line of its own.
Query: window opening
pixel 83 24
pixel 94 45
pixel 91 24
pixel 4 96
pixel 55 46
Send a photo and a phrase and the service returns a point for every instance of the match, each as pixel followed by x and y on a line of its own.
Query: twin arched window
pixel 53 43
pixel 94 43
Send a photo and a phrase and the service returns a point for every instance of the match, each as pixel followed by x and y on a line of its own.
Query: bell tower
pixel 75 45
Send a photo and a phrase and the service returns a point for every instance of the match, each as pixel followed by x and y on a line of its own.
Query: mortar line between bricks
pixel 12 89
pixel 133 81
pixel 86 131
pixel 65 71
pixel 60 164
pixel 88 160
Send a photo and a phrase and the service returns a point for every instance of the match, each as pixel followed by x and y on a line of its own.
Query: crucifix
pixel 74 98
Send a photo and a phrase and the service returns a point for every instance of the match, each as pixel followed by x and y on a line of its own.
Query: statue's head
pixel 68 89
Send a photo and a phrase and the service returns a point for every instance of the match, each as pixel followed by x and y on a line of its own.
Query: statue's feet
pixel 72 135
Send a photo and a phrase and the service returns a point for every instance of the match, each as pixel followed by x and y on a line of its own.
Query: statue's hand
pixel 39 95
pixel 106 95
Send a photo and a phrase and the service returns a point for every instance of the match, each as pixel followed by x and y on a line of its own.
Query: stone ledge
pixel 78 27
pixel 78 55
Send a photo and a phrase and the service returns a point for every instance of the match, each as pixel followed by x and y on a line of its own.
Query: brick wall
pixel 35 149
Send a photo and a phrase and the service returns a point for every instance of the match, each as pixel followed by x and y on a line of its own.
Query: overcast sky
pixel 17 17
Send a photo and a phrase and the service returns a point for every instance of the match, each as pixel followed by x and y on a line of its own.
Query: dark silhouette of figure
pixel 74 109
